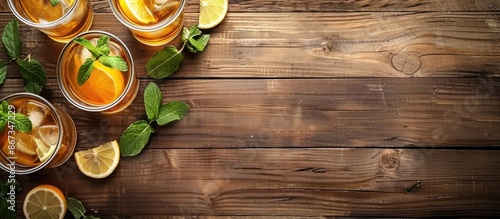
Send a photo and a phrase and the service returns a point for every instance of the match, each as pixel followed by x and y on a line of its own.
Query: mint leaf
pixel 3 124
pixel 164 63
pixel 3 71
pixel 22 123
pixel 4 108
pixel 33 74
pixel 6 213
pixel 152 100
pixel 11 39
pixel 172 111
pixel 190 33
pixel 32 71
pixel 199 43
pixel 135 138
pixel 54 2
pixel 103 46
pixel 115 62
pixel 32 87
pixel 76 207
pixel 87 44
pixel 84 71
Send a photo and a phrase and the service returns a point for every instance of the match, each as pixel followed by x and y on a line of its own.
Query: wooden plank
pixel 320 45
pixel 368 112
pixel 102 6
pixel 265 182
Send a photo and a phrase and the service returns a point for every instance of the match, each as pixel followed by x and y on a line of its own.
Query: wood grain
pixel 287 45
pixel 320 108
pixel 102 6
pixel 371 112
pixel 289 182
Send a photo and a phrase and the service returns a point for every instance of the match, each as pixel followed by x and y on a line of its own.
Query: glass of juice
pixel 107 90
pixel 152 22
pixel 50 143
pixel 60 22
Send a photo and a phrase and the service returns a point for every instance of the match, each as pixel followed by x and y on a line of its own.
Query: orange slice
pixel 103 86
pixel 44 201
pixel 137 11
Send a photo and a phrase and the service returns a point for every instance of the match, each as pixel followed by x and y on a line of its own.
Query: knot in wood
pixel 389 160
pixel 406 63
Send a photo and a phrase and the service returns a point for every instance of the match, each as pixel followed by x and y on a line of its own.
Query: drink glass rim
pixel 87 107
pixel 59 21
pixel 146 28
pixel 58 121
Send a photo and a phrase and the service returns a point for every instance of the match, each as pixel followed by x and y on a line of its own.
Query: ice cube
pixel 85 53
pixel 25 144
pixel 48 134
pixel 161 8
pixel 35 111
pixel 66 5
pixel 114 49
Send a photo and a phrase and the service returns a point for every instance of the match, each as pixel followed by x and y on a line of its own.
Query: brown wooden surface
pixel 305 108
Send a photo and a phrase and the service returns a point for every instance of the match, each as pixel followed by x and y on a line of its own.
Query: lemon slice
pixel 43 151
pixel 99 162
pixel 44 201
pixel 137 11
pixel 212 12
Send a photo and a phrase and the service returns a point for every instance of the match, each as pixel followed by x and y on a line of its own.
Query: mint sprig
pixel 76 208
pixel 166 61
pixel 100 53
pixel 137 134
pixel 17 121
pixel 54 2
pixel 7 211
pixel 32 71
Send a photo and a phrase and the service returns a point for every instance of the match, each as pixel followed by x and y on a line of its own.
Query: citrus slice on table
pixel 104 84
pixel 44 201
pixel 99 162
pixel 137 11
pixel 212 12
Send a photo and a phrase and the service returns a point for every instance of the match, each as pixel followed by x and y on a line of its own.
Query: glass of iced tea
pixel 152 22
pixel 107 90
pixel 50 143
pixel 60 22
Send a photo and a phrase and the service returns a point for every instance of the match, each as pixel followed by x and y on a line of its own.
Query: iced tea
pixel 107 90
pixel 152 22
pixel 50 143
pixel 60 22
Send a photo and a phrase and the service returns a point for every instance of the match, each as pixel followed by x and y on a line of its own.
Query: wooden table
pixel 304 108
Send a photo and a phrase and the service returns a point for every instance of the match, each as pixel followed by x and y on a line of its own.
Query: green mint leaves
pixel 76 208
pixel 161 65
pixel 166 61
pixel 32 71
pixel 54 2
pixel 137 135
pixel 7 210
pixel 9 118
pixel 100 52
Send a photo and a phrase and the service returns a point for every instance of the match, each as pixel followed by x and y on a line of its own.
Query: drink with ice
pixel 107 90
pixel 50 142
pixel 60 22
pixel 152 22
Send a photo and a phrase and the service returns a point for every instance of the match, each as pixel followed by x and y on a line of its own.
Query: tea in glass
pixel 60 22
pixel 50 143
pixel 107 90
pixel 152 22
